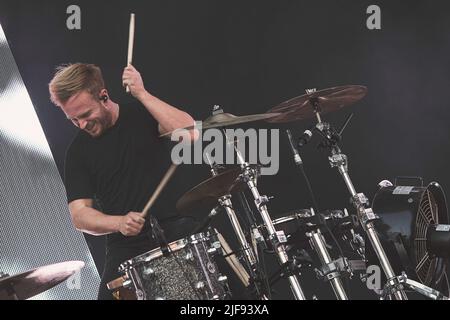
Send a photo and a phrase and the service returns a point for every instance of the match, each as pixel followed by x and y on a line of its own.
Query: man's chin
pixel 95 133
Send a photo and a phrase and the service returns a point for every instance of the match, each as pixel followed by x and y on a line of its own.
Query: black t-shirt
pixel 121 168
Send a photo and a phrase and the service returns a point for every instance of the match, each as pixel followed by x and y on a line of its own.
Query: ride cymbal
pixel 223 119
pixel 324 101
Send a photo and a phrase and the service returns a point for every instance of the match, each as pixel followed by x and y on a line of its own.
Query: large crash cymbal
pixel 30 283
pixel 223 119
pixel 327 100
pixel 205 196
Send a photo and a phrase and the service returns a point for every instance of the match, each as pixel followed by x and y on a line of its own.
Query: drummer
pixel 116 161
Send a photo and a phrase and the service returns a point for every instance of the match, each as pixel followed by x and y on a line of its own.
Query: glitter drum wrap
pixel 188 272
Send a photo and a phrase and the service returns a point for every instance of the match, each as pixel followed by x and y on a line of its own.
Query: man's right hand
pixel 131 224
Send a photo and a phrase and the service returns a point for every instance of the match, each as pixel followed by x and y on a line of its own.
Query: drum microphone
pixel 297 158
pixel 214 211
pixel 206 221
pixel 305 137
pixel 158 234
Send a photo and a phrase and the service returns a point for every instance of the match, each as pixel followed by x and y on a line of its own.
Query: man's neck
pixel 114 107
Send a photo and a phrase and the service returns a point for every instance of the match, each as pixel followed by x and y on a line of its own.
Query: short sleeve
pixel 77 177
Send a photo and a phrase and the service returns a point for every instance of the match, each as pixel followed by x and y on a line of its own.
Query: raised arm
pixel 168 117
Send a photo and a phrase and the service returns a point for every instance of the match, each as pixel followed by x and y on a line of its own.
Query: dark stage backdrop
pixel 248 56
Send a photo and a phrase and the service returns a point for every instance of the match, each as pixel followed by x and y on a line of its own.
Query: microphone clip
pixel 158 235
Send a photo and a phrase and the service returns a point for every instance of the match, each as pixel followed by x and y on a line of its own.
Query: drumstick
pixel 158 190
pixel 233 262
pixel 130 44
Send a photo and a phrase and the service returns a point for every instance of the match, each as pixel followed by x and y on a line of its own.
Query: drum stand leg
pixel 275 238
pixel 248 254
pixel 361 203
pixel 249 177
pixel 225 202
pixel 333 274
pixel 367 218
pixel 422 289
pixel 330 269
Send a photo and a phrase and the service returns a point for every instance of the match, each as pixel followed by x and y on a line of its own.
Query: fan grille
pixel 427 215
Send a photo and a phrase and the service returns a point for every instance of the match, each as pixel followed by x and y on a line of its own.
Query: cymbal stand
pixel 330 269
pixel 248 254
pixel 277 239
pixel 365 213
pixel 395 285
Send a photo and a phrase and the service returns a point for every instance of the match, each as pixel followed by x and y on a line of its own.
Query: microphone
pixel 207 220
pixel 158 235
pixel 297 158
pixel 305 138
pixel 214 211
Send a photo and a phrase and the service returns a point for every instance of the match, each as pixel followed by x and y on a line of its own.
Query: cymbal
pixel 224 119
pixel 327 100
pixel 205 195
pixel 30 283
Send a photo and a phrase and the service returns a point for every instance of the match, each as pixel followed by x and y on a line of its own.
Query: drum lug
pixel 189 257
pixel 148 272
pixel 200 285
pixel 127 284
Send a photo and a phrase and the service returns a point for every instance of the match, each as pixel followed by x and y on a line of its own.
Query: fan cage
pixel 428 214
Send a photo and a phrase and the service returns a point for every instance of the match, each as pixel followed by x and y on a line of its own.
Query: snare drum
pixel 188 272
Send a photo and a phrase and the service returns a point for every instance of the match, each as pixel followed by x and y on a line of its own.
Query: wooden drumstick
pixel 158 190
pixel 130 44
pixel 233 262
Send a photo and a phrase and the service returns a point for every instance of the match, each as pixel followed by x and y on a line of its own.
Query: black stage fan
pixel 414 230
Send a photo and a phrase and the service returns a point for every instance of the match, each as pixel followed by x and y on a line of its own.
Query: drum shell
pixel 189 272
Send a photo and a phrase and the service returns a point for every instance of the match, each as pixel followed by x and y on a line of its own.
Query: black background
pixel 248 56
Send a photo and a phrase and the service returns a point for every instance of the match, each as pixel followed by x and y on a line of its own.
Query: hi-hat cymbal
pixel 205 195
pixel 30 283
pixel 224 119
pixel 327 100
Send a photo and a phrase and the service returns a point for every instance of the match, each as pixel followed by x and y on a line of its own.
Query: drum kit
pixel 408 231
pixel 187 268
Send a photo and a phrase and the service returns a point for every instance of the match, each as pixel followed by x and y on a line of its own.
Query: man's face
pixel 88 113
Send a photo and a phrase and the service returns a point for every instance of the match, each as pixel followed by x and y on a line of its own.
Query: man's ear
pixel 104 95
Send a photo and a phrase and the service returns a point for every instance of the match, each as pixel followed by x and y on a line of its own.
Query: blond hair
pixel 71 79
